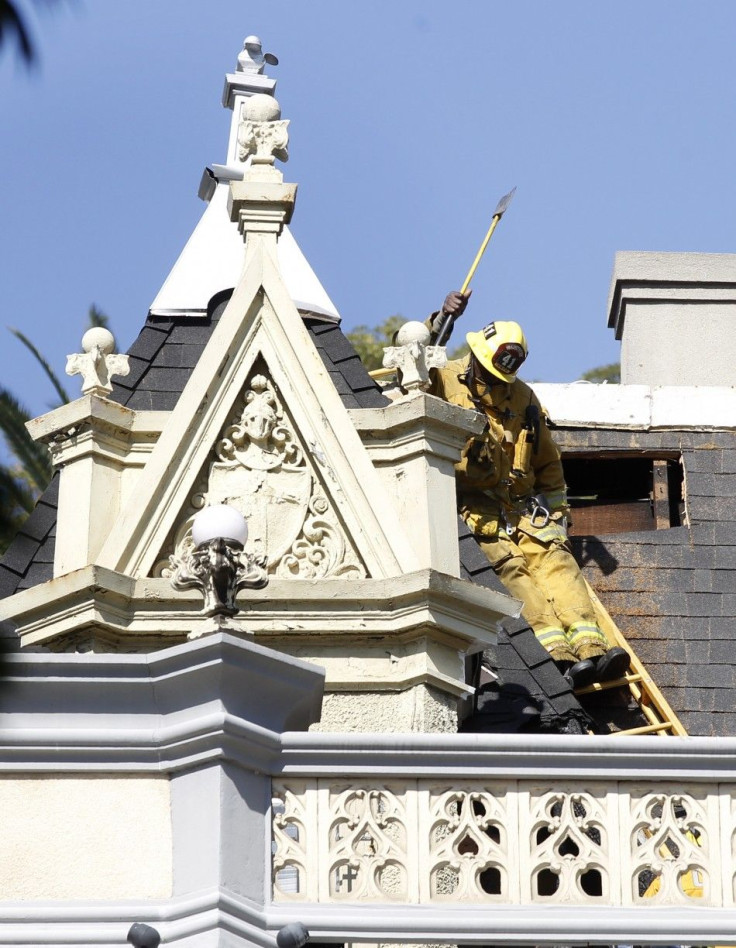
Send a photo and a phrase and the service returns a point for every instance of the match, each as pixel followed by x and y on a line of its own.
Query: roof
pixel 212 260
pixel 525 692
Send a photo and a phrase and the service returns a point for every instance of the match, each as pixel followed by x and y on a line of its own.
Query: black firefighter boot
pixel 612 664
pixel 578 674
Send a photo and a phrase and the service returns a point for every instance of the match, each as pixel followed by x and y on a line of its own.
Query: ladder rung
pixel 607 685
pixel 649 712
pixel 648 729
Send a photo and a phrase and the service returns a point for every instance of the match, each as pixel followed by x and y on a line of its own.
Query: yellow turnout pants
pixel 537 567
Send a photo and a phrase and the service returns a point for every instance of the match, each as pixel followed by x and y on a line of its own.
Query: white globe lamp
pixel 220 521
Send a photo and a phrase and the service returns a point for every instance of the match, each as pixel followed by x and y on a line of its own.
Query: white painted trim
pixel 515 756
pixel 639 407
pixel 446 612
pixel 192 917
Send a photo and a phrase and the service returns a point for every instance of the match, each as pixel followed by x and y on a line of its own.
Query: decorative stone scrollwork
pixel 468 845
pixel 569 848
pixel 259 467
pixel 368 845
pixel 262 135
pixel 670 849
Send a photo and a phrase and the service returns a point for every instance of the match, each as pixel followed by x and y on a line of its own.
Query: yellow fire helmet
pixel 500 347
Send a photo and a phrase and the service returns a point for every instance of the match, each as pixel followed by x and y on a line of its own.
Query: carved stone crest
pixel 259 467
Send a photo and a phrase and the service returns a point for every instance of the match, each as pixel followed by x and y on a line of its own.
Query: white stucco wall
pixel 679 344
pixel 96 837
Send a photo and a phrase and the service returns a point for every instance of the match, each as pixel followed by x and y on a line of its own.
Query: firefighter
pixel 511 493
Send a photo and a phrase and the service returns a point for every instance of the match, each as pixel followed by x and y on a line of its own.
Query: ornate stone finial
pixel 97 364
pixel 261 136
pixel 412 357
pixel 252 59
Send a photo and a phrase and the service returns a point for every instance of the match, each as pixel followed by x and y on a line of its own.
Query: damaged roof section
pixel 520 689
pixel 672 591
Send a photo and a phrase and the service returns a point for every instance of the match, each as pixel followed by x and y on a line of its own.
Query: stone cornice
pixel 145 611
pixel 416 423
pixel 512 756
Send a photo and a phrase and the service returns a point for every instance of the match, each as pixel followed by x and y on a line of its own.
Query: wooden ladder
pixel 652 703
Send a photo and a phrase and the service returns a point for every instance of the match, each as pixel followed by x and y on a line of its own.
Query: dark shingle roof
pixel 29 559
pixel 356 388
pixel 529 693
pixel 474 564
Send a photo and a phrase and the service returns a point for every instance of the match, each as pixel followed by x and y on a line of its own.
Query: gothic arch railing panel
pixel 465 843
pixel 566 838
pixel 571 842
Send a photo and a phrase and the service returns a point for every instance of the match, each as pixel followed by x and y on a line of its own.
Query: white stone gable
pixel 318 509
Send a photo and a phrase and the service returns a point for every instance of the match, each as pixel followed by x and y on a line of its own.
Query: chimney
pixel 675 314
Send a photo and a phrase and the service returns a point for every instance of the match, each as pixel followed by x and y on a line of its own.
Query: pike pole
pixel 444 334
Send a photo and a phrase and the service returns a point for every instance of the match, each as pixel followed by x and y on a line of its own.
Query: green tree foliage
pixel 369 343
pixel 29 470
pixel 604 373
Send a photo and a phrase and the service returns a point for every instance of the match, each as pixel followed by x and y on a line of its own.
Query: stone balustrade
pixel 645 824
pixel 608 843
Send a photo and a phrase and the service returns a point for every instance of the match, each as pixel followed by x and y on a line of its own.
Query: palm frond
pixel 12 24
pixel 60 390
pixel 32 457
pixel 96 317
pixel 15 495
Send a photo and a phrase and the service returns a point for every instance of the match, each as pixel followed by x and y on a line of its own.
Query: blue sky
pixel 409 120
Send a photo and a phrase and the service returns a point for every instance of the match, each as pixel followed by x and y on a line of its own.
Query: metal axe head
pixel 504 203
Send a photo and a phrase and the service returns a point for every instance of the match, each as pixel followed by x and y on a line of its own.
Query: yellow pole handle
pixel 471 272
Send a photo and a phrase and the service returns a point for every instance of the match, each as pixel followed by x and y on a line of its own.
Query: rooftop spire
pixel 213 257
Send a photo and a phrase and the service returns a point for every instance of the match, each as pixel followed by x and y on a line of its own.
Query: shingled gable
pixel 259 332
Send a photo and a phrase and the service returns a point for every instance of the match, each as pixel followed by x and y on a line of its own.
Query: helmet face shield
pixel 500 347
